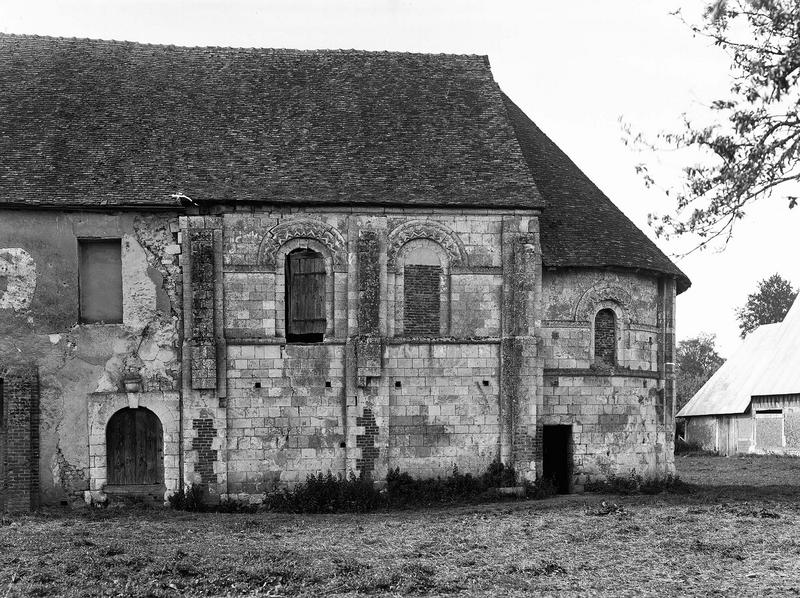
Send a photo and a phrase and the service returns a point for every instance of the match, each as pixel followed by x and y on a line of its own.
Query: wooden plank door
pixel 135 448
pixel 305 301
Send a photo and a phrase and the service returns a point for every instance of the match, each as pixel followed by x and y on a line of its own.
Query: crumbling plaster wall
pixel 39 312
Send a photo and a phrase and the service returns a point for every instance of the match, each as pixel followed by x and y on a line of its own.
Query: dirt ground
pixel 732 531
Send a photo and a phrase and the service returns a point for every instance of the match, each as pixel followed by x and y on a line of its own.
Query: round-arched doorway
pixel 135 448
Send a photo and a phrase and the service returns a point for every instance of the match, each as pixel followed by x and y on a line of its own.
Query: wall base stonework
pixel 615 425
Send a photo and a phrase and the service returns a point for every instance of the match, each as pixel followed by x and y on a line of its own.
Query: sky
pixel 576 68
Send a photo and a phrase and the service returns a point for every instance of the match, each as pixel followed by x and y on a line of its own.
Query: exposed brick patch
pixel 19 425
pixel 203 350
pixel 206 457
pixel 366 442
pixel 421 300
pixel 605 338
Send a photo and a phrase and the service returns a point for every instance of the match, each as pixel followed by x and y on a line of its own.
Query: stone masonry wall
pixel 616 409
pixel 443 407
pixel 260 413
pixel 366 399
pixel 284 415
pixel 614 424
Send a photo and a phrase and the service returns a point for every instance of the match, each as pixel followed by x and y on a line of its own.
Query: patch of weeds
pixel 745 510
pixel 540 489
pixel 410 578
pixel 232 505
pixel 347 567
pixel 634 483
pixel 113 550
pixel 190 499
pixel 403 490
pixel 684 448
pixel 327 493
pixel 729 552
pixel 336 493
pixel 537 569
pixel 604 508
pixel 499 475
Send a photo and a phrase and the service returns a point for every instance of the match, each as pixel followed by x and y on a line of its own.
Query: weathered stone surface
pixel 515 349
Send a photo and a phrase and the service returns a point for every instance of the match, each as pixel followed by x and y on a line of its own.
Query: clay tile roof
pixel 580 226
pixel 100 123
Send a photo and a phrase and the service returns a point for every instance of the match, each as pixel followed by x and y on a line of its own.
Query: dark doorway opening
pixel 135 448
pixel 556 462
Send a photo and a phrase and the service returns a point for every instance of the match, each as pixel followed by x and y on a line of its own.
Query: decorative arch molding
pixel 425 229
pixel 602 296
pixel 313 230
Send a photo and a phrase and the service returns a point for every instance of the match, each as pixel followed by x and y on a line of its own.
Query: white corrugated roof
pixel 767 363
pixel 730 388
pixel 782 375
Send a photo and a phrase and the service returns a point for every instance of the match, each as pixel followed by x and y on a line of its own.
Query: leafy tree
pixel 752 146
pixel 697 360
pixel 768 305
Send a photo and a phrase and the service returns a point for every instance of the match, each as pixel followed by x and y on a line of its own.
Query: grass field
pixel 734 531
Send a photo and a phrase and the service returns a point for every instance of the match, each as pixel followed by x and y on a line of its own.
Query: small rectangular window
pixel 100 280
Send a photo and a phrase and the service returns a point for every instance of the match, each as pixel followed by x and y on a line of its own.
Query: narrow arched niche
pixel 422 284
pixel 605 338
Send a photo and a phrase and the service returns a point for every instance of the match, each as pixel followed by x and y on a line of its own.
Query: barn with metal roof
pixel 752 403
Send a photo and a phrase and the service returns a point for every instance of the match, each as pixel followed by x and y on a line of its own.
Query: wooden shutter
pixel 305 289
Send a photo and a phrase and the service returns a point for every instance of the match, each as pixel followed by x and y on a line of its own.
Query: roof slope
pixel 729 390
pixel 90 122
pixel 580 226
pixel 781 376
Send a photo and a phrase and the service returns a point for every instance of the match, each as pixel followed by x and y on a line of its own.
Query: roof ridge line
pixel 97 40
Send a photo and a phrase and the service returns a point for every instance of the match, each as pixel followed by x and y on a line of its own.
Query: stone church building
pixel 236 267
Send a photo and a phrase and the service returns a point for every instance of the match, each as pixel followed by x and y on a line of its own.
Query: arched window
pixel 422 281
pixel 605 338
pixel 305 296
